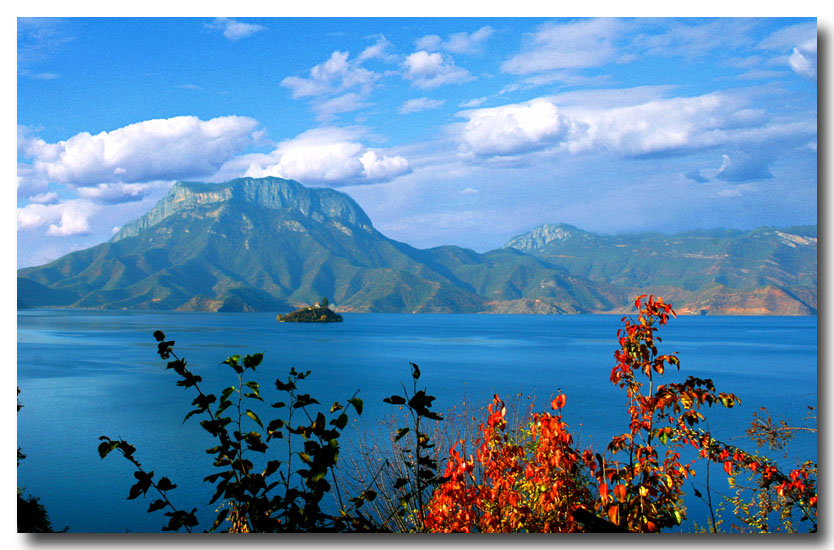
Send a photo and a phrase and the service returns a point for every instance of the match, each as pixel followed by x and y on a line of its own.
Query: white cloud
pixel 471 103
pixel 334 76
pixel 655 126
pixel 430 42
pixel 63 220
pixel 27 183
pixel 160 149
pixel 803 59
pixel 461 42
pixel 44 198
pixel 575 45
pixel 234 30
pixel 419 104
pixel 379 167
pixel 513 129
pixel 431 70
pixel 378 50
pixel 799 44
pixel 327 156
pixel 116 193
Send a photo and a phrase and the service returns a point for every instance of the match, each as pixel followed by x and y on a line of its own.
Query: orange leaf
pixel 614 514
pixel 559 402
pixel 728 467
pixel 603 492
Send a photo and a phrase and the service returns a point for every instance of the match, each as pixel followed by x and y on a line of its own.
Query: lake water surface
pixel 83 374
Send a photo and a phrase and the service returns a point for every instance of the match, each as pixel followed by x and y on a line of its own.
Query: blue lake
pixel 83 374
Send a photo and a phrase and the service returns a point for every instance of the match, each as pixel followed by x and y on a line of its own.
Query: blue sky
pixel 464 131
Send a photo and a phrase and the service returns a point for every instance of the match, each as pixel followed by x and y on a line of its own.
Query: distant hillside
pixel 766 270
pixel 274 245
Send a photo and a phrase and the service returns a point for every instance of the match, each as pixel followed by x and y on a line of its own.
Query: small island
pixel 317 313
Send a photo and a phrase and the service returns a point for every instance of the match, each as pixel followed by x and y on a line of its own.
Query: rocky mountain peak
pixel 541 236
pixel 271 193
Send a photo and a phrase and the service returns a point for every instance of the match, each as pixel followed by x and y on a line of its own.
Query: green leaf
pixel 254 417
pixel 303 400
pixel 190 414
pixel 340 421
pixel 105 447
pixel 252 361
pixel 400 433
pixel 226 393
pixel 156 505
pixel 357 403
pixel 165 484
pixel 289 386
pixel 271 467
pixel 395 400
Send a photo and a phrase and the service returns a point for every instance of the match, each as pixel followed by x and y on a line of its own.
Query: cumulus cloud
pixel 62 220
pixel 339 84
pixel 419 104
pixel 513 129
pixel 431 70
pixel 234 30
pixel 574 45
pixel 328 156
pixel 334 76
pixel 461 42
pixel 161 149
pixel 659 126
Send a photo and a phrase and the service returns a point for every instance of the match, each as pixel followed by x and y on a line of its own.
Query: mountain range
pixel 271 244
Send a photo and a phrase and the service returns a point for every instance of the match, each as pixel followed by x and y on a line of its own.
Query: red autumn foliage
pixel 534 480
